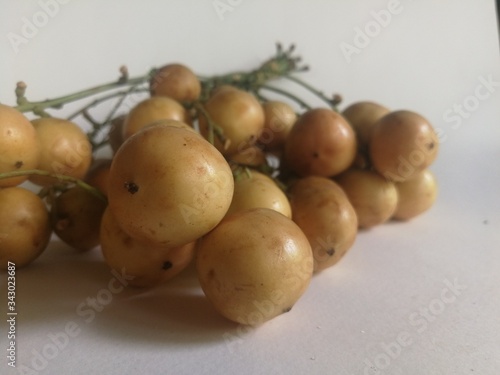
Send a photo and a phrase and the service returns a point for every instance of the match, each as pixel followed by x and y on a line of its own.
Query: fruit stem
pixel 25 105
pixel 287 94
pixel 61 177
pixel 332 102
pixel 213 128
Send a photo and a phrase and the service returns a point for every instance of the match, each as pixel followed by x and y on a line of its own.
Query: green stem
pixel 29 106
pixel 213 128
pixel 60 177
pixel 313 90
pixel 287 94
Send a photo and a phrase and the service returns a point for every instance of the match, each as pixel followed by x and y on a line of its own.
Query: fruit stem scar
pixel 131 187
pixel 167 265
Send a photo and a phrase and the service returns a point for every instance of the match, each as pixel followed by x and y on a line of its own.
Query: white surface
pixel 430 56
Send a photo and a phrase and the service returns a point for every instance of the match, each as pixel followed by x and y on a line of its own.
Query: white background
pixel 431 56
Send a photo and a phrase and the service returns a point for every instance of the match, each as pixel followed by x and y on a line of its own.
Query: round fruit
pixel 65 149
pixel 402 144
pixel 373 197
pixel 254 277
pixel 415 196
pixel 321 209
pixel 238 114
pixel 320 143
pixel 98 175
pixel 169 186
pixel 75 216
pixel 279 119
pixel 258 190
pixel 151 111
pixel 19 148
pixel 24 226
pixel 147 265
pixel 176 81
pixel 362 116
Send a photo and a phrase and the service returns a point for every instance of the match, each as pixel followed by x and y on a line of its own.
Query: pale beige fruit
pixel 169 186
pixel 148 265
pixel 362 116
pixel 98 175
pixel 152 111
pixel 24 226
pixel 279 119
pixel 257 190
pixel 238 114
pixel 321 143
pixel 176 81
pixel 373 197
pixel 75 217
pixel 402 144
pixel 65 149
pixel 415 196
pixel 19 147
pixel 254 266
pixel 323 212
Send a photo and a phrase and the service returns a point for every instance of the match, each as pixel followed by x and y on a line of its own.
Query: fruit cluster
pixel 259 194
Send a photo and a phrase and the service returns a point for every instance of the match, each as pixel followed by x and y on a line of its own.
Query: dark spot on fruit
pixel 127 241
pixel 287 309
pixel 211 273
pixel 330 251
pixel 18 164
pixel 184 144
pixel 167 265
pixel 315 155
pixel 431 145
pixel 131 187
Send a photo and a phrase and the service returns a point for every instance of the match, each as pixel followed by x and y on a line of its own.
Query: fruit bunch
pixel 260 193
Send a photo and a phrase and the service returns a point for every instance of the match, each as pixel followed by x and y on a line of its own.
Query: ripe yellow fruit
pixel 362 116
pixel 320 143
pixel 148 265
pixel 176 81
pixel 279 120
pixel 402 144
pixel 65 149
pixel 19 147
pixel 24 226
pixel 151 111
pixel 321 209
pixel 169 186
pixel 258 190
pixel 239 114
pixel 257 276
pixel 416 195
pixel 373 197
